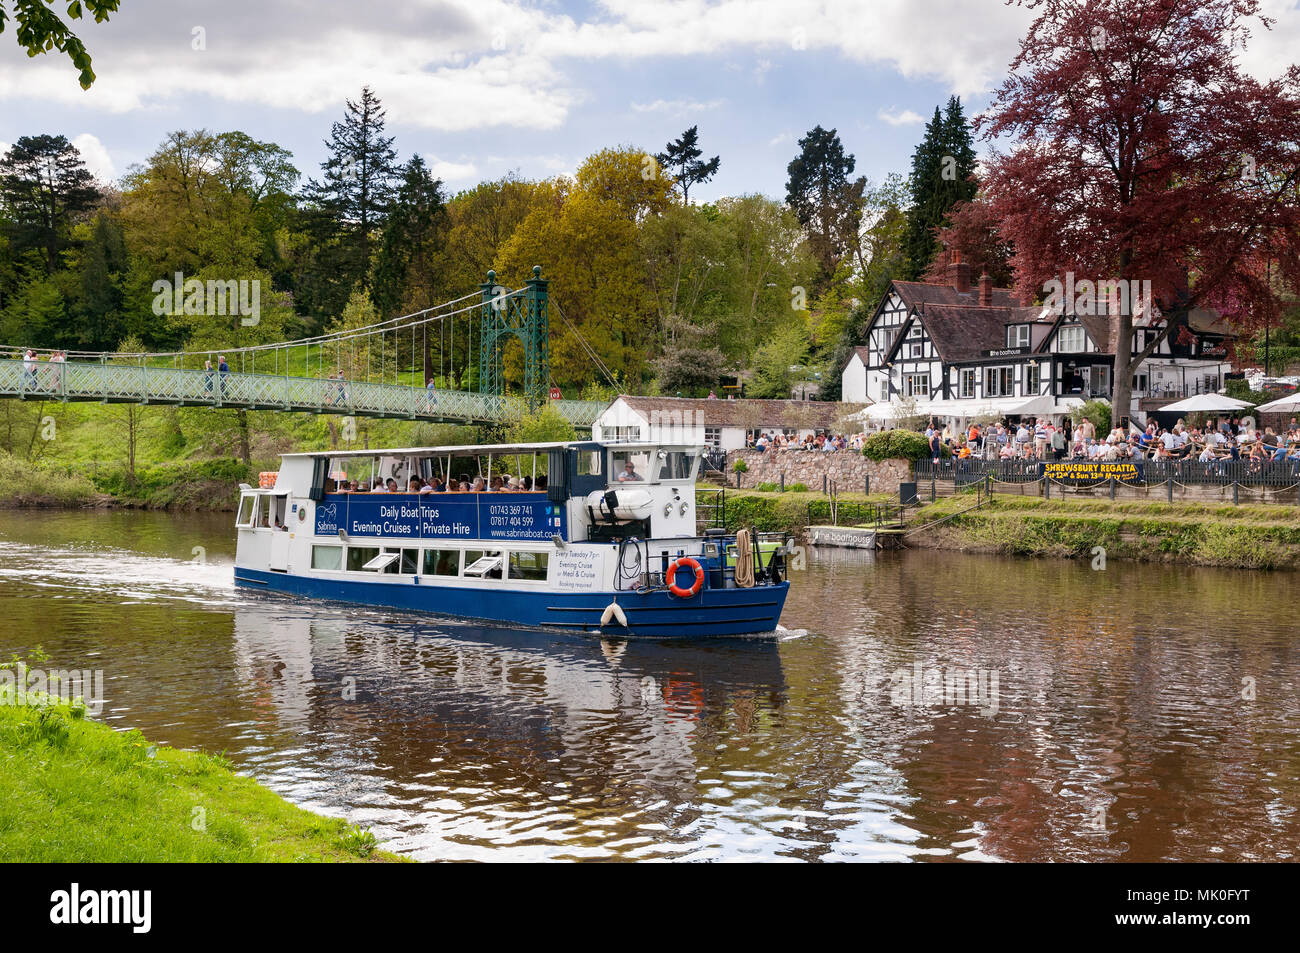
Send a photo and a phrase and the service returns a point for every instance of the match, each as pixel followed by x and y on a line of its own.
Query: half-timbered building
pixel 960 352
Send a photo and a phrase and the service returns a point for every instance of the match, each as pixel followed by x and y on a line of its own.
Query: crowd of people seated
pixel 819 442
pixel 501 483
pixel 1043 440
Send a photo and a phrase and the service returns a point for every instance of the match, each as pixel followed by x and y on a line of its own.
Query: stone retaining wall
pixel 847 469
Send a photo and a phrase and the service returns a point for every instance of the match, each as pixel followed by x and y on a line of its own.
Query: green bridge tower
pixel 523 315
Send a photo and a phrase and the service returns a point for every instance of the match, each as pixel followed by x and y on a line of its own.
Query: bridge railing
pixel 75 380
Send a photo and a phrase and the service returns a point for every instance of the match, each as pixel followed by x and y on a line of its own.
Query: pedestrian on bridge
pixel 224 370
pixel 430 396
pixel 208 374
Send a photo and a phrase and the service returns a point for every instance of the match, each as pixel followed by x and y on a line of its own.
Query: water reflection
pixel 1110 721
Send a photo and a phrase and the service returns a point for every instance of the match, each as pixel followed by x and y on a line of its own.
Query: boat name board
pixel 529 516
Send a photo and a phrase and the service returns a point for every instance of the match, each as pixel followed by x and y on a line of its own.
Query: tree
pixel 943 170
pixel 974 232
pixel 41 30
pixel 827 204
pixel 690 363
pixel 46 186
pixel 773 376
pixel 683 155
pixel 406 270
pixel 1144 153
pixel 352 200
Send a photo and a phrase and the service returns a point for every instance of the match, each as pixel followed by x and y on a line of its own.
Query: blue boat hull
pixel 712 612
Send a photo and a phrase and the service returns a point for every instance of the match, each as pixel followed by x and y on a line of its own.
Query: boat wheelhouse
pixel 579 535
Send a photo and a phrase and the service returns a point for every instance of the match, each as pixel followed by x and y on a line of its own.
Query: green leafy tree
pixel 40 30
pixel 943 170
pixel 349 205
pixel 683 157
pixel 46 187
pixel 828 204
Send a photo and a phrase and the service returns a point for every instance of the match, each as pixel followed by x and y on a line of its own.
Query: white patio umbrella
pixel 1289 402
pixel 1205 404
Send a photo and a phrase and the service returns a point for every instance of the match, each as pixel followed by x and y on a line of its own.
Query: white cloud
pixel 96 157
pixel 5 147
pixel 456 65
pixel 906 118
pixel 451 171
pixel 780 138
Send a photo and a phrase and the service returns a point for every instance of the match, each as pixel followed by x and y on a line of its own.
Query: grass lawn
pixel 76 790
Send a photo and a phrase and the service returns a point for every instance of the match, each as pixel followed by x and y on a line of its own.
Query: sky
pixel 481 88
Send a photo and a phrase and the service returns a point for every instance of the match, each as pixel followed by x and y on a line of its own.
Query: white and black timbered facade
pixel 960 353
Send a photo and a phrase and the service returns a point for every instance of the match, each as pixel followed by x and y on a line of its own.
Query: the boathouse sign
pixel 441 516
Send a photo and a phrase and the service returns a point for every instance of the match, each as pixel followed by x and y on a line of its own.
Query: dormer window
pixel 1017 335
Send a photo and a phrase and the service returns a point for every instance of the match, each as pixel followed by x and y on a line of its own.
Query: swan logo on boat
pixel 327 520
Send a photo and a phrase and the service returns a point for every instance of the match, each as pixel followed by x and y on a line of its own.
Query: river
pixel 923 706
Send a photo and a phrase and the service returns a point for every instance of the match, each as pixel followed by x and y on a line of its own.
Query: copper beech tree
pixel 1139 150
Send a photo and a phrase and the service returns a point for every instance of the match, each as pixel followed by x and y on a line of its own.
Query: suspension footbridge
pixel 405 367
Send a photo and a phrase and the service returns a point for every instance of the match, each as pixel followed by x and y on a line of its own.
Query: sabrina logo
pixel 103 907
pixel 327 519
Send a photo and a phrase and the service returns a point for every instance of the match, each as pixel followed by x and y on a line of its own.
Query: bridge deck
pixel 130 383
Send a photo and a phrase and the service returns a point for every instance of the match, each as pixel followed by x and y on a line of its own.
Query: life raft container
pixel 670 577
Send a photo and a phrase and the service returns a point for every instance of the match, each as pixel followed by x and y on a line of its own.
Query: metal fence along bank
pixel 1274 480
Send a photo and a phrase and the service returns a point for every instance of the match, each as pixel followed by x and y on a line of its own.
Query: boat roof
pixel 485 448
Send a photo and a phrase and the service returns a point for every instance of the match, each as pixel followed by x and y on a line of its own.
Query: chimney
pixel 959 273
pixel 986 291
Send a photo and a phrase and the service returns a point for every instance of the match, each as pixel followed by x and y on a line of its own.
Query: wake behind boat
pixel 579 535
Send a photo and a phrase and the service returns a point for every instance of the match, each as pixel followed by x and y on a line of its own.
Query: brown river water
pixel 920 706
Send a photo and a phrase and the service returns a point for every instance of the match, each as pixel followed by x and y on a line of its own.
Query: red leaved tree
pixel 1141 151
pixel 973 230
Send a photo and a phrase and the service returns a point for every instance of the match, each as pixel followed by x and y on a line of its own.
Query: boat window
pixel 482 564
pixel 358 556
pixel 589 462
pixel 409 564
pixel 247 509
pixel 327 557
pixel 675 465
pixel 442 562
pixel 629 466
pixel 525 565
pixel 381 562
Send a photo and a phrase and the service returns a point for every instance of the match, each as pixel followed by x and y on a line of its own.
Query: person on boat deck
pixel 330 486
pixel 391 485
pixel 629 474
pixel 414 485
pixel 378 486
pixel 464 486
pixel 479 485
pixel 527 484
pixel 435 486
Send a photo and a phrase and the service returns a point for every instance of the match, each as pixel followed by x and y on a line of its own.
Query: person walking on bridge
pixel 223 369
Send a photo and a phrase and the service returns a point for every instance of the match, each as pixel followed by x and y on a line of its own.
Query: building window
pixel 916 385
pixel 966 387
pixel 1033 378
pixel 999 382
pixel 622 434
pixel 1018 335
pixel 915 349
pixel 1070 339
pixel 713 437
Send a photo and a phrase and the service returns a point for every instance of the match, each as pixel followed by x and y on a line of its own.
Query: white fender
pixel 613 612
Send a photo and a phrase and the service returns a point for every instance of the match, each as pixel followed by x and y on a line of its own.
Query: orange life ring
pixel 671 577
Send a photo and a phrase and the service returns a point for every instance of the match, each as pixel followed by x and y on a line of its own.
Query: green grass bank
pixel 72 789
pixel 1197 534
pixel 1251 536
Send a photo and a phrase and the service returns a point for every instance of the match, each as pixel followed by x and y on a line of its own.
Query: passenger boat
pixel 580 536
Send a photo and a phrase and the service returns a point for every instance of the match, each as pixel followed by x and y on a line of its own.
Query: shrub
pixel 740 466
pixel 896 444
